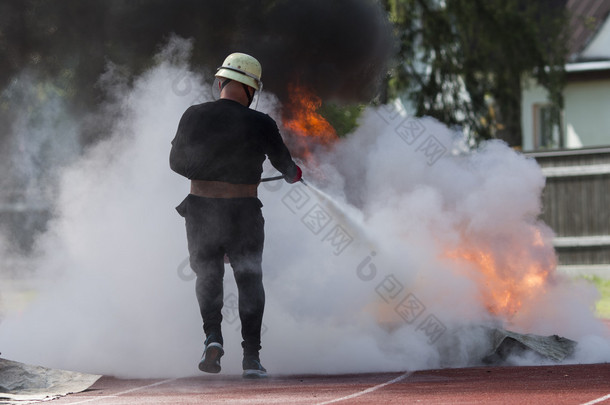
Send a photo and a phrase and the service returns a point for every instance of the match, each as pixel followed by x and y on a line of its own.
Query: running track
pixel 571 384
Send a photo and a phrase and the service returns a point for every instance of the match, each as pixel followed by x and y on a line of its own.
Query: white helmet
pixel 242 68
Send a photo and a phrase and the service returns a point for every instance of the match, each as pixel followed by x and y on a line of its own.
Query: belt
pixel 221 189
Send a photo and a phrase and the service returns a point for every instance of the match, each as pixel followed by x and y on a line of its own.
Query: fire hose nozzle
pixel 272 178
pixel 279 178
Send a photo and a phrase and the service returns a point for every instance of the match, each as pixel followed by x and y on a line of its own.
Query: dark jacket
pixel 226 141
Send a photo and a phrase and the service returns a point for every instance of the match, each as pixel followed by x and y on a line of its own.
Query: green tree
pixel 465 62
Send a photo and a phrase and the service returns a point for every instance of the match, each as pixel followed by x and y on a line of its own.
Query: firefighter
pixel 221 146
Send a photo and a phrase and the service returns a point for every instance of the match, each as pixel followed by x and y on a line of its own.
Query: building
pixel 586 114
pixel 575 158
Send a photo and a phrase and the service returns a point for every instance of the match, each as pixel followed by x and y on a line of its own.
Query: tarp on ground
pixel 25 384
pixel 506 343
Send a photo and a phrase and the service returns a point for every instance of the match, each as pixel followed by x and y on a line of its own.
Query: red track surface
pixel 573 384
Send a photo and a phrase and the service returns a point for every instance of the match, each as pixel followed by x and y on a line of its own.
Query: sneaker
pixel 253 368
pixel 210 361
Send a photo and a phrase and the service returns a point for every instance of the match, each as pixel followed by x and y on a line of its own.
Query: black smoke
pixel 338 48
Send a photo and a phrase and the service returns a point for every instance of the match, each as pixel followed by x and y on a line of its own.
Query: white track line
pixel 598 400
pixel 118 394
pixel 368 390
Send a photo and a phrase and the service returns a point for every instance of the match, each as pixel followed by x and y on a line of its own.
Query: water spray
pixel 356 227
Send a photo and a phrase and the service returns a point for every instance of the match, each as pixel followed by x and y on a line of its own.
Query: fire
pixel 301 119
pixel 508 279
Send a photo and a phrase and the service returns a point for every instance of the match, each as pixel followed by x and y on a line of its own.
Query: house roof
pixel 587 18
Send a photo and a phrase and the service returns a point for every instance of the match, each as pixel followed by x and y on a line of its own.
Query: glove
pixel 296 177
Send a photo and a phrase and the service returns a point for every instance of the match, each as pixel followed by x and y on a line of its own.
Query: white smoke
pixel 40 139
pixel 42 136
pixel 358 283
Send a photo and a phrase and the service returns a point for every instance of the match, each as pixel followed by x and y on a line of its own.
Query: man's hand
pixel 296 177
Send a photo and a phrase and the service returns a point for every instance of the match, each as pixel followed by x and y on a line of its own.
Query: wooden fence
pixel 576 205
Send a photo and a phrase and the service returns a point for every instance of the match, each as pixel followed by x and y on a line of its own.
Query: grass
pixel 602 306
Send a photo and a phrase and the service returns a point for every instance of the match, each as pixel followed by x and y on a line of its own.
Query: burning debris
pixel 509 280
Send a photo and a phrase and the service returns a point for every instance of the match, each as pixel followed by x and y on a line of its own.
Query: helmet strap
pixel 224 84
pixel 250 97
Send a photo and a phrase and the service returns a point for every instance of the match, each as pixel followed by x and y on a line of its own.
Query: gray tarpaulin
pixel 506 343
pixel 24 384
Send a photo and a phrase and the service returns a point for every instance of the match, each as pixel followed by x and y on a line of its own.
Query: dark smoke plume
pixel 338 48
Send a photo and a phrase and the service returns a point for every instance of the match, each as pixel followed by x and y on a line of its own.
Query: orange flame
pixel 505 284
pixel 301 119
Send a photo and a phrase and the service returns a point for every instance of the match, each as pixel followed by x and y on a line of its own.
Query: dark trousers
pixel 235 227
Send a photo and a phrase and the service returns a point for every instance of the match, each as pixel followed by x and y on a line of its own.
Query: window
pixel 547 132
